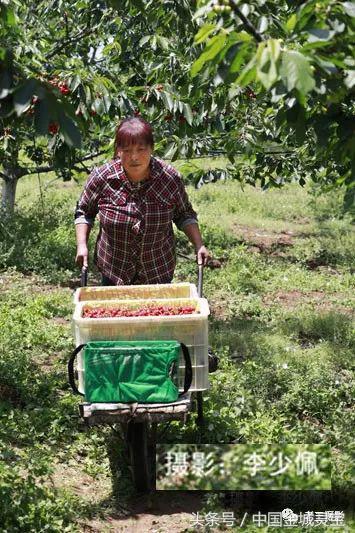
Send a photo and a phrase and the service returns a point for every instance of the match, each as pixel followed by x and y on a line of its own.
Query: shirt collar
pixel 121 174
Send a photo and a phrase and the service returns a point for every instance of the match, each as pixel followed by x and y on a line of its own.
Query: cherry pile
pixel 152 310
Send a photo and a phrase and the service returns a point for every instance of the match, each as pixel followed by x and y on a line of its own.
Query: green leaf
pixel 164 43
pixel 248 74
pixel 170 151
pixel 263 24
pixel 112 48
pixel 241 36
pixel 41 118
pixel 305 13
pixel 296 72
pixel 291 23
pixel 318 34
pixel 10 17
pixel 204 32
pixel 23 96
pixel 188 113
pixel 267 57
pixel 350 78
pixel 107 102
pixel 74 82
pixel 69 132
pixel 213 47
pixel 168 101
pixel 144 40
pixel 238 58
pixel 311 45
pixel 275 48
pixel 349 8
pixel 98 106
pixel 88 96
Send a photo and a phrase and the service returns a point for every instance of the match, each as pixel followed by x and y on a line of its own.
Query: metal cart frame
pixel 138 421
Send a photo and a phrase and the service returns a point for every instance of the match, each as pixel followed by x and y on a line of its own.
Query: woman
pixel 137 197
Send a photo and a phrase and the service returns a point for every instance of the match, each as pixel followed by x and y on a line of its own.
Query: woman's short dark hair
pixel 133 130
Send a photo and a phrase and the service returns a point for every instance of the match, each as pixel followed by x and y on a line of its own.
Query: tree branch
pixel 91 156
pixel 248 25
pixel 41 170
pixel 65 43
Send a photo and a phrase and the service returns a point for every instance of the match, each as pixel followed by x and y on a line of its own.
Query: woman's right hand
pixel 82 255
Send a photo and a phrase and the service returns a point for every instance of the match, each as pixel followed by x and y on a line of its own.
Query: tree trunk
pixel 8 194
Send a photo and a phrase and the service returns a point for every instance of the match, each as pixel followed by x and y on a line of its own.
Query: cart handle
pixel 84 276
pixel 199 280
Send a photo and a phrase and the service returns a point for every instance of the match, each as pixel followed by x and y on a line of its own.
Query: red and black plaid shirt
pixel 136 242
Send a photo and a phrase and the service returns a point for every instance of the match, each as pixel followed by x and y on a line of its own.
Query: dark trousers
pixel 106 282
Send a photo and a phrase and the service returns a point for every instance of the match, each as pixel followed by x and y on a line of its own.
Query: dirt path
pixel 259 240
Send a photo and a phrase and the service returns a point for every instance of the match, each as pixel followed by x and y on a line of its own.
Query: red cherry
pixel 250 93
pixel 53 128
pixel 63 87
pixel 153 310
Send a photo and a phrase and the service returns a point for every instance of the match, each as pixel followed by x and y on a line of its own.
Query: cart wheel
pixel 137 439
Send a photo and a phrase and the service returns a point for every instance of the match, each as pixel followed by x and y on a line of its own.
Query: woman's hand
pixel 82 255
pixel 192 231
pixel 203 255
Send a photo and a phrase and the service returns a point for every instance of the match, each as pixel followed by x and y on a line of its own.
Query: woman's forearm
pixel 82 236
pixel 192 231
pixel 82 233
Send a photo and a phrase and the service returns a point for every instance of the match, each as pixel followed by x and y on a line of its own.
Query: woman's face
pixel 135 160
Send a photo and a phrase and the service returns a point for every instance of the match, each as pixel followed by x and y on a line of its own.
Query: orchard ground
pixel 282 323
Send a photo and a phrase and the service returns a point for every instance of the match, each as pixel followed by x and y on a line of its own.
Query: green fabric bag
pixel 132 371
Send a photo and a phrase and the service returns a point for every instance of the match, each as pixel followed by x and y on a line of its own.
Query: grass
pixel 282 323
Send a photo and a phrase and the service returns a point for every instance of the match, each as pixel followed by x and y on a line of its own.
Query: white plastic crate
pixel 128 292
pixel 191 329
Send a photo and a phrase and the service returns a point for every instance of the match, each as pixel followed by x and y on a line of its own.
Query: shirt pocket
pixel 112 196
pixel 114 211
pixel 159 214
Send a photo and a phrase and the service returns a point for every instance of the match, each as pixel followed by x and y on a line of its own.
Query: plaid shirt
pixel 135 244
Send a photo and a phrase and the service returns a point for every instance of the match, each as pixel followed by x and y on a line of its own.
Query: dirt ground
pixel 258 240
pixel 161 512
pixel 158 512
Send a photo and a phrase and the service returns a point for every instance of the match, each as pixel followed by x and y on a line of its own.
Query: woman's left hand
pixel 203 256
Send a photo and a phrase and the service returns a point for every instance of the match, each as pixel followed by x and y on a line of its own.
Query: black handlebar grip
pixel 84 277
pixel 71 376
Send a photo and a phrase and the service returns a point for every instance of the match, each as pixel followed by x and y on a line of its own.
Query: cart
pixel 138 421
